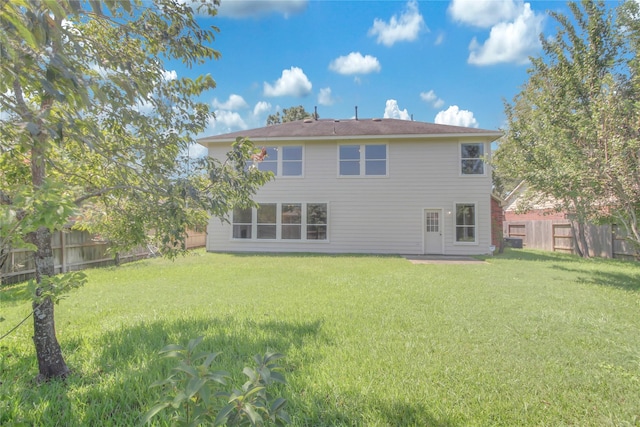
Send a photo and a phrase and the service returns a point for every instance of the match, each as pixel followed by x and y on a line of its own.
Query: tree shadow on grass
pixel 112 387
pixel 14 294
pixel 328 412
pixel 405 414
pixel 139 346
pixel 535 255
pixel 626 281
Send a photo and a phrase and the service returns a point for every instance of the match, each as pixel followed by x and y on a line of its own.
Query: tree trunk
pixel 578 231
pixel 51 364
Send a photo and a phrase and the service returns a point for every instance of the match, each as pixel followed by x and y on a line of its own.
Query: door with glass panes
pixel 433 231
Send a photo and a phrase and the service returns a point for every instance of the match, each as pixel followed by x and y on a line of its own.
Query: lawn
pixel 527 338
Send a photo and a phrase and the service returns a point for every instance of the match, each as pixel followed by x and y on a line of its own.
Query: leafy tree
pixel 572 130
pixel 92 127
pixel 290 115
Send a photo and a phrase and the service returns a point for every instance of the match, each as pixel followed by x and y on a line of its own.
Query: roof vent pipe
pixel 356 112
pixel 315 112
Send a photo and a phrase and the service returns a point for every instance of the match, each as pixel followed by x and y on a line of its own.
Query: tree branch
pixel 5 199
pixel 105 190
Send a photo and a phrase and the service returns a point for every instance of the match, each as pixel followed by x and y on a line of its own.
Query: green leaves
pixel 192 395
pixel 581 98
pixel 108 122
pixel 57 287
pixel 93 125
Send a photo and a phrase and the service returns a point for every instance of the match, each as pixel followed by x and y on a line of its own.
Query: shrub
pixel 193 394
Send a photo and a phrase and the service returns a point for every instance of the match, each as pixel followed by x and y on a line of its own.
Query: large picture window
pixel 267 221
pixel 283 161
pixel 472 158
pixel 317 221
pixel 465 222
pixel 363 160
pixel 291 221
pixel 242 219
pixel 282 221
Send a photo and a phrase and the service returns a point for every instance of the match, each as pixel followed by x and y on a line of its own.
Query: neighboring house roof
pixel 517 202
pixel 497 198
pixel 323 129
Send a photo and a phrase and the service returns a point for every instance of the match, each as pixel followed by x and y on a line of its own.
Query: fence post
pixel 63 257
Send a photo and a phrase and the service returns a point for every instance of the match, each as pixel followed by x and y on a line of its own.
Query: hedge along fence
pixel 77 250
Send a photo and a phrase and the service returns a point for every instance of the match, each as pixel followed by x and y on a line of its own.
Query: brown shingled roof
pixel 335 129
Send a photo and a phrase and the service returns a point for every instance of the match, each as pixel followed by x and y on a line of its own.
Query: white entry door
pixel 433 231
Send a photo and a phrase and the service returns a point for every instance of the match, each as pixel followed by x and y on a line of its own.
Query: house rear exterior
pixel 380 186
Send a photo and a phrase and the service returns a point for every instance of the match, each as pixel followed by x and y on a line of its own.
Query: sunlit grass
pixel 527 338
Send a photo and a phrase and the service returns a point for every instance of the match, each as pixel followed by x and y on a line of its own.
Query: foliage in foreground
pixel 94 128
pixel 192 395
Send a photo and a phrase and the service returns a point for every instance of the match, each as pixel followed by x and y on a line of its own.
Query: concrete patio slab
pixel 442 259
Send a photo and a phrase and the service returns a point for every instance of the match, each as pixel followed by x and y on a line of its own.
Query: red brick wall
pixel 497 218
pixel 535 215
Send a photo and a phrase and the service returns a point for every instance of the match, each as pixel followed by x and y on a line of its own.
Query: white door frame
pixel 441 231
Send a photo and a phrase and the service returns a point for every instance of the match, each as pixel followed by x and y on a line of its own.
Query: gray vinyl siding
pixel 381 215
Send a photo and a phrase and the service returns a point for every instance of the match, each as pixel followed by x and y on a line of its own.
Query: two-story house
pixel 381 186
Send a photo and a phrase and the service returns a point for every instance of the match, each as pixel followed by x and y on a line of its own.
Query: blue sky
pixel 451 62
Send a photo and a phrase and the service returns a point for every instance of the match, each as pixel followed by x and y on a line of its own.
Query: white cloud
pixel 509 41
pixel 403 28
pixel 439 39
pixel 169 75
pixel 227 121
pixel 261 108
pixel 197 151
pixel 235 102
pixel 484 13
pixel 432 99
pixel 392 111
pixel 355 63
pixel 456 117
pixel 254 8
pixel 293 82
pixel 324 97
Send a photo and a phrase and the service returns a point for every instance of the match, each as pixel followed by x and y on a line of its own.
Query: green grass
pixel 528 339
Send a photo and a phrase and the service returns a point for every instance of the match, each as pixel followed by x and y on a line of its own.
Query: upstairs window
pixel 349 160
pixel 283 161
pixel 292 161
pixel 270 161
pixel 471 158
pixel 363 160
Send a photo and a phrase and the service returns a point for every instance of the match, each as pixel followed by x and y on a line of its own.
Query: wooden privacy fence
pixel 604 241
pixel 76 250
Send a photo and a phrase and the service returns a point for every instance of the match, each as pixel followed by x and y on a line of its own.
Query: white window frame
pixel 303 224
pixel 455 224
pixel 264 224
pixel 240 224
pixel 481 159
pixel 279 161
pixel 362 161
